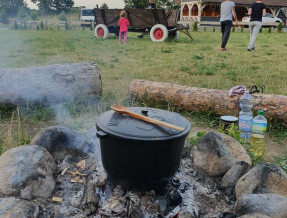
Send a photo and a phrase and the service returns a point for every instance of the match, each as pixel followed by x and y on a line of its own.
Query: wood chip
pixel 84 180
pixel 75 180
pixel 82 164
pixel 58 200
pixel 77 173
pixel 63 172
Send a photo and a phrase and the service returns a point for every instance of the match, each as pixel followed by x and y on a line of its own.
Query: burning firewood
pixel 90 200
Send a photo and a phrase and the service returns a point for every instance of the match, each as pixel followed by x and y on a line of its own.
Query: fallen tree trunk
pixel 49 84
pixel 201 99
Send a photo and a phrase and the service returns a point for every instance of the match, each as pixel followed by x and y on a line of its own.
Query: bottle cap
pixel 260 112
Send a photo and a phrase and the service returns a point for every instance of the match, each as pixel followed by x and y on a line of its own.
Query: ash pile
pixel 61 175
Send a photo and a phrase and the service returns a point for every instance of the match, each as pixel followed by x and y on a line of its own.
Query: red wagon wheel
pixel 101 31
pixel 158 33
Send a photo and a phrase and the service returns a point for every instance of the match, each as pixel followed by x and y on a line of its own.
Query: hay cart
pixel 158 23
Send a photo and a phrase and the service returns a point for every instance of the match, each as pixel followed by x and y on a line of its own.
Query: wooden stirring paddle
pixel 125 110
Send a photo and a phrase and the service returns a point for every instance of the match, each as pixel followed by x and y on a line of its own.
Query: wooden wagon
pixel 159 23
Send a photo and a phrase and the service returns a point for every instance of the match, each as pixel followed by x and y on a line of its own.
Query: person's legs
pixel 226 33
pixel 256 25
pixel 125 37
pixel 222 25
pixel 120 37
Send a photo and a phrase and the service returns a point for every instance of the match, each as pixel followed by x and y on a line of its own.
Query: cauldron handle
pixel 101 134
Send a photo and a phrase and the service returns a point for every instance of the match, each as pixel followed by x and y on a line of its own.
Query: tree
pixel 11 7
pixel 34 14
pixel 3 17
pixel 23 14
pixel 104 6
pixel 45 6
pixel 135 3
pixel 63 5
pixel 144 3
pixel 51 6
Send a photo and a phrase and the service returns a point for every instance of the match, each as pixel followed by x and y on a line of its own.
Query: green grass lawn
pixel 199 63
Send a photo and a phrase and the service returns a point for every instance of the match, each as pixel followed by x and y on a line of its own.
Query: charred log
pixel 205 100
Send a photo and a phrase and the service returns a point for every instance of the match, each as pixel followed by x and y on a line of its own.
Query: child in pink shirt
pixel 123 24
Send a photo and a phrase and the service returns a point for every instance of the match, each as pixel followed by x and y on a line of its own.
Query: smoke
pixel 64 88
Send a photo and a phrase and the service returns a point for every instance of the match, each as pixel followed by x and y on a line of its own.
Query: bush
pixel 62 16
pixel 194 26
pixel 3 17
pixel 213 29
pixel 204 29
pixel 15 26
pixel 280 27
pixel 42 25
pixel 269 30
pixel 242 29
pixel 233 29
pixel 66 25
pixel 22 14
pixel 25 25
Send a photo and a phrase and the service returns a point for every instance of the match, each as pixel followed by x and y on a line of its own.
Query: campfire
pixel 63 174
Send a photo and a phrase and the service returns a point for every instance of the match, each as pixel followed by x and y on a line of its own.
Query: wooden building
pixel 209 10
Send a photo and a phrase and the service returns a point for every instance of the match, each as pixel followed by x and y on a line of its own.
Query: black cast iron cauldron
pixel 139 155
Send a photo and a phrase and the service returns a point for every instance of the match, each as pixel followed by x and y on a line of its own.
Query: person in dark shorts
pixel 256 11
pixel 151 5
pixel 227 10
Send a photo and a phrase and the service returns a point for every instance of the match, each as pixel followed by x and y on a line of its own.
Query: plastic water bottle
pixel 245 115
pixel 259 126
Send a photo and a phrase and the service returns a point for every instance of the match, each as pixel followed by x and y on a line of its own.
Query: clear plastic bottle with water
pixel 245 115
pixel 259 126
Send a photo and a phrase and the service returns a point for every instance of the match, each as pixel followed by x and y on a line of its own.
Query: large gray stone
pixel 16 208
pixel 215 153
pixel 27 172
pixel 62 141
pixel 255 215
pixel 263 178
pixel 235 173
pixel 271 205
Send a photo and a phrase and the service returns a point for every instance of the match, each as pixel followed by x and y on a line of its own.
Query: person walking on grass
pixel 227 10
pixel 151 5
pixel 256 11
pixel 123 24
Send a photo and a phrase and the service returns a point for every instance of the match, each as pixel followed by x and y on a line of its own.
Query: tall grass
pixel 15 133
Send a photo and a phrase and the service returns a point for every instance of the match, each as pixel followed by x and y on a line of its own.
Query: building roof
pixel 276 3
